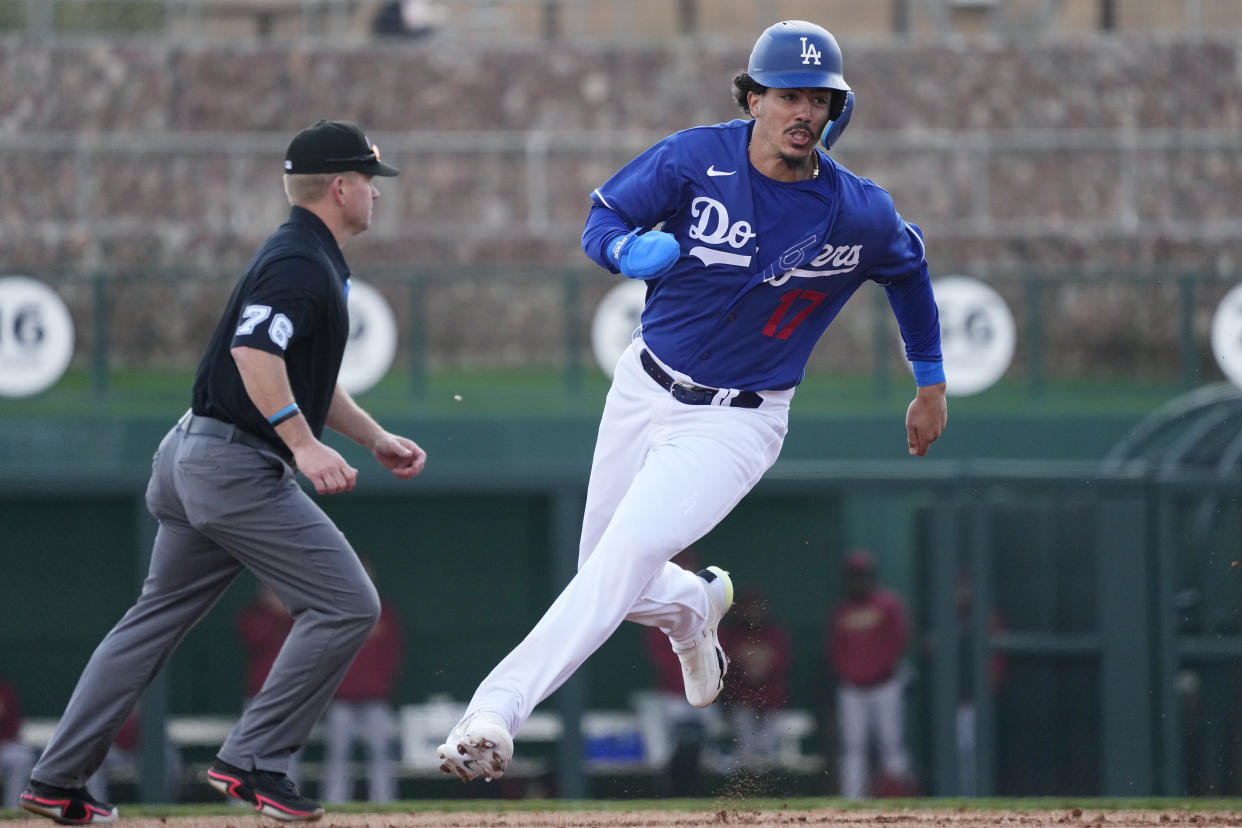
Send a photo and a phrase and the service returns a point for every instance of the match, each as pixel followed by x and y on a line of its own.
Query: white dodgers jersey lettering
pixel 843 258
pixel 713 227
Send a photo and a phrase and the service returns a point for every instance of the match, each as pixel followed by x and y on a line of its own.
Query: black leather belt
pixel 695 394
pixel 192 423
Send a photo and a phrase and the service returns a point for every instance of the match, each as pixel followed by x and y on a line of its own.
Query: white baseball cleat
pixel 480 745
pixel 703 661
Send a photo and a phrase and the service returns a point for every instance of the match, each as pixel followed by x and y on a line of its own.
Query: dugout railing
pixel 1119 589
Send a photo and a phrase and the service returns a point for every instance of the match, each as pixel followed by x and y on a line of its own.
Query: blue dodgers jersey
pixel 765 265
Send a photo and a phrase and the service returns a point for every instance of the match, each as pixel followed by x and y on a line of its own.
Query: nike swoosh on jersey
pixel 713 171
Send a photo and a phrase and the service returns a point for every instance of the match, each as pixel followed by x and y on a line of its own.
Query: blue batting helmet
pixel 795 54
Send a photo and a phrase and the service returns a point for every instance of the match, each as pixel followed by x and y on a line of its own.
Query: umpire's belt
pixel 691 394
pixel 192 423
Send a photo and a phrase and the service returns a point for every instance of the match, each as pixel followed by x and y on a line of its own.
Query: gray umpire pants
pixel 221 506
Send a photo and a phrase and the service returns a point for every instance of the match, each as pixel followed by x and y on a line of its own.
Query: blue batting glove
pixel 644 256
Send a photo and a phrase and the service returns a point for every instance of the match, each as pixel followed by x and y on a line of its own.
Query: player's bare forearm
pixel 401 455
pixel 267 384
pixel 926 418
pixel 348 418
pixel 265 379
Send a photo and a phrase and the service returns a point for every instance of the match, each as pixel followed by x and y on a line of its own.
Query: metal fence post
pixel 1165 577
pixel 980 544
pixel 572 696
pixel 417 338
pixel 1190 362
pixel 573 319
pixel 1125 668
pixel 944 668
pixel 1035 354
pixel 101 330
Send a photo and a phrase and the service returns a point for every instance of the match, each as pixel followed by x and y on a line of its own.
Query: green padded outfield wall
pixel 482 520
pixel 70 511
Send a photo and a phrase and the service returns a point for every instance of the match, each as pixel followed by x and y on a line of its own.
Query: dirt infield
pixel 838 818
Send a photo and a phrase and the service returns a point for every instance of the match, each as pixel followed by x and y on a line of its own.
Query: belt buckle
pixel 687 387
pixel 695 393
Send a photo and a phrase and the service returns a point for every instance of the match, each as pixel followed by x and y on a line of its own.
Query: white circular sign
pixel 372 339
pixel 1227 335
pixel 36 336
pixel 977 334
pixel 615 321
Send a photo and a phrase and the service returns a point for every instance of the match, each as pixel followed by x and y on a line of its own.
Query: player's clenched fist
pixel 323 466
pixel 644 255
pixel 400 455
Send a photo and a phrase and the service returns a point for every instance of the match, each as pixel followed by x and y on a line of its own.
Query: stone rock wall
pixel 1092 153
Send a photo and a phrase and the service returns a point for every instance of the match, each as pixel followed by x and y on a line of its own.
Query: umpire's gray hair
pixel 307 188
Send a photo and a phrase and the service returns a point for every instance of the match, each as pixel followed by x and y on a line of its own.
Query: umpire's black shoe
pixel 68 806
pixel 271 794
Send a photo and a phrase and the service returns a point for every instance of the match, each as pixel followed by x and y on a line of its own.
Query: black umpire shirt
pixel 292 303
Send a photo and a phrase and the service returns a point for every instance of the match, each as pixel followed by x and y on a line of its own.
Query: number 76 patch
pixel 280 329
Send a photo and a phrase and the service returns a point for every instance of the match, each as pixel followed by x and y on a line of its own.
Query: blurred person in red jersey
pixel 867 636
pixel 263 626
pixel 761 654
pixel 362 713
pixel 16 758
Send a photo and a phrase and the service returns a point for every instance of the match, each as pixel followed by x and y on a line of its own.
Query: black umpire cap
pixel 334 147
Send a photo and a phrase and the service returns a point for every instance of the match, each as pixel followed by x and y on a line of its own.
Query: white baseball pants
pixel 664 474
pixel 372 723
pixel 862 711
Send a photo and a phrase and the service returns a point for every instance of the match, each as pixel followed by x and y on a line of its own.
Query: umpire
pixel 224 491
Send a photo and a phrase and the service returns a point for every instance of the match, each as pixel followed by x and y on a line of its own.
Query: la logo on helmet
pixel 809 53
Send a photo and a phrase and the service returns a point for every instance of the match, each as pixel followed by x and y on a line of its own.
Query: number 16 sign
pixel 977 334
pixel 36 336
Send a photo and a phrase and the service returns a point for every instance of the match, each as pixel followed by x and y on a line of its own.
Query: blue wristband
pixel 283 414
pixel 927 373
pixel 617 245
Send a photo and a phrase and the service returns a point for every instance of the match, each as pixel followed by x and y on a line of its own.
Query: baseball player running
pixel 224 491
pixel 762 238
